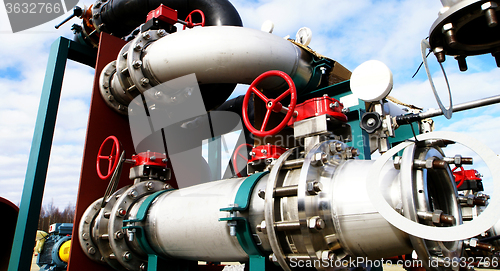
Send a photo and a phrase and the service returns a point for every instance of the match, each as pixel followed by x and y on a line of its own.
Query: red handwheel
pixel 236 154
pixel 272 105
pixel 189 19
pixel 112 158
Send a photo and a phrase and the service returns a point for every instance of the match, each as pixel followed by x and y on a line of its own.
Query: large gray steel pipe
pixel 216 55
pixel 310 208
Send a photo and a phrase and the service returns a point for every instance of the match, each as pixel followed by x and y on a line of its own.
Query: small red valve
pixel 112 158
pixel 189 19
pixel 272 105
pixel 319 106
pixel 164 14
pixel 150 159
pixel 264 152
pixel 465 175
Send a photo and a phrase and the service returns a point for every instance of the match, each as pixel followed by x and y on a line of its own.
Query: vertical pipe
pixel 34 184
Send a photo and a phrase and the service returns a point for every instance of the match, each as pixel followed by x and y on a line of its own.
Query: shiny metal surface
pixel 129 258
pixel 362 231
pixel 271 208
pixel 85 231
pixel 322 211
pixel 428 190
pixel 100 233
pixel 225 54
pixel 216 55
pixel 184 224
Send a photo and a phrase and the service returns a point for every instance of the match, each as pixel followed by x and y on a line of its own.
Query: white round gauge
pixel 267 26
pixel 303 36
pixel 371 81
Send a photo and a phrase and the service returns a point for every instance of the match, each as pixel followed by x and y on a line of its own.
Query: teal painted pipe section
pixel 34 184
pixel 29 211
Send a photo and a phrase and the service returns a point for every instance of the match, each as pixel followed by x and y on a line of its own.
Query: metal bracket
pixel 141 215
pixel 241 225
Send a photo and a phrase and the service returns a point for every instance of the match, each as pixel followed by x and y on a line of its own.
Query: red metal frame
pixel 103 122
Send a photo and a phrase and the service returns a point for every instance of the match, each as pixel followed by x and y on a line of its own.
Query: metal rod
pixel 286 191
pixel 291 164
pixel 461 107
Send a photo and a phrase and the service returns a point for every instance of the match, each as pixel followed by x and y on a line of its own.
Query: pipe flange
pixel 97 9
pixel 107 91
pixel 122 72
pixel 482 223
pixel 311 191
pixel 141 82
pixel 417 188
pixel 455 30
pixel 129 256
pixel 101 235
pixel 274 181
pixel 85 231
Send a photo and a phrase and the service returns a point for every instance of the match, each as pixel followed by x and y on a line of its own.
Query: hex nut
pixel 489 5
pixel 397 162
pixel 313 188
pixel 448 26
pixel 316 223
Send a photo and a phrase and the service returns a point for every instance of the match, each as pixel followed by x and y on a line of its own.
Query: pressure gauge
pixel 371 81
pixel 303 36
pixel 267 26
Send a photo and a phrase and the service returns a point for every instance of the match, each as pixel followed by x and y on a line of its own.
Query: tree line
pixel 50 214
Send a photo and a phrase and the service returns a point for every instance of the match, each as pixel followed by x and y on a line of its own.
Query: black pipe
pixel 120 17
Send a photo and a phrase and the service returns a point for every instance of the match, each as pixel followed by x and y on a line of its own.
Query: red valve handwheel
pixel 112 158
pixel 462 175
pixel 237 154
pixel 189 19
pixel 272 105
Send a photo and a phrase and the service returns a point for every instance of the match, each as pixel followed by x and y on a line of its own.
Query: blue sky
pixel 350 32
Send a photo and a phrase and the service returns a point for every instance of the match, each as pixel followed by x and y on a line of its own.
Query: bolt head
pixel 121 212
pixel 489 5
pixel 144 81
pixel 137 64
pixel 91 250
pixel 161 32
pixel 448 26
pixel 473 242
pixel 316 223
pixel 327 255
pixel 397 162
pixel 119 235
pixel 127 256
pixel 262 227
pixel 149 185
pixel 133 194
pixel 313 188
pixel 146 35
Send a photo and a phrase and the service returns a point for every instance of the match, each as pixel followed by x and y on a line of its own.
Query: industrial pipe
pixel 120 17
pixel 329 216
pixel 222 55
